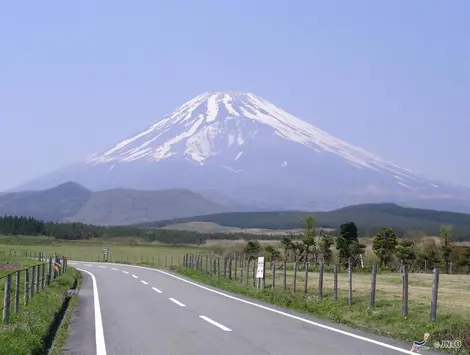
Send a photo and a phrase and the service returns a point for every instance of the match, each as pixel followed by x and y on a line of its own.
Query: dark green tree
pixel 252 249
pixel 445 234
pixel 309 249
pixel 274 254
pixel 430 257
pixel 286 242
pixel 405 252
pixel 384 245
pixel 324 246
pixel 348 244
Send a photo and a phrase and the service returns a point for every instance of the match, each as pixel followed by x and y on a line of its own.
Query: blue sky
pixel 390 76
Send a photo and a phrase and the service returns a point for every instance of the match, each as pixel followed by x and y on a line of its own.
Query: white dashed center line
pixel 126 272
pixel 88 265
pixel 113 268
pixel 156 290
pixel 144 282
pixel 213 322
pixel 135 277
pixel 177 302
pixel 103 267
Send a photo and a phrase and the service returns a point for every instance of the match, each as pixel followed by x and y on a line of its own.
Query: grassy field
pixel 454 290
pixel 210 227
pixel 133 254
pixel 27 330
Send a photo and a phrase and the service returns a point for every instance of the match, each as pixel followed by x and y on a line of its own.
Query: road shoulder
pixel 82 326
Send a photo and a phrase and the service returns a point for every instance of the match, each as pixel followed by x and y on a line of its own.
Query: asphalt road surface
pixel 126 310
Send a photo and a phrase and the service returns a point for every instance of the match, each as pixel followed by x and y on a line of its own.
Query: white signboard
pixel 260 268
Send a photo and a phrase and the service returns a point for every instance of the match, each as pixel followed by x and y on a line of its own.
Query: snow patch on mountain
pixel 198 128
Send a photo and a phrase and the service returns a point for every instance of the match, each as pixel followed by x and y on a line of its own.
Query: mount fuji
pixel 242 150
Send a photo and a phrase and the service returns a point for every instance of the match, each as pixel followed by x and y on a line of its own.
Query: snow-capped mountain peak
pixel 215 121
pixel 245 149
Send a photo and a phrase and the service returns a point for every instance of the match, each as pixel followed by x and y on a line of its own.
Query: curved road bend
pixel 126 310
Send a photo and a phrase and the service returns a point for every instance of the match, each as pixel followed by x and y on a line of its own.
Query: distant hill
pixel 368 217
pixel 53 204
pixel 72 202
pixel 125 206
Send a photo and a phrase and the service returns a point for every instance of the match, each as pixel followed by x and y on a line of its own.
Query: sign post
pixel 260 271
pixel 105 253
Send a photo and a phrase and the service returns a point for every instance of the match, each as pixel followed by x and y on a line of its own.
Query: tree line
pixel 28 226
pixel 390 251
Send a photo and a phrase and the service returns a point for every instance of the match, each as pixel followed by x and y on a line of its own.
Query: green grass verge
pixel 383 319
pixel 27 330
pixel 62 333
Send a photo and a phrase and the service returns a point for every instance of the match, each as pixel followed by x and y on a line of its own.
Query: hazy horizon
pixel 392 78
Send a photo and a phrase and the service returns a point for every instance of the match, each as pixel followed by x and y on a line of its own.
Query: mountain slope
pixel 125 206
pixel 73 203
pixel 53 204
pixel 254 153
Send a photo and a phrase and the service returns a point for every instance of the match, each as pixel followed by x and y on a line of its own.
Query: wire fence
pixel 349 285
pixel 20 286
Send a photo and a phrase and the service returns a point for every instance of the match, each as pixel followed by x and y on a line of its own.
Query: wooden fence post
pixel 373 283
pixel 236 268
pixel 350 281
pixel 247 271
pixel 230 267
pixel 38 274
pixel 306 279
pixel 405 292
pixel 335 282
pixel 263 280
pixel 320 280
pixel 6 299
pixel 43 276
pixel 284 276
pixel 33 280
pixel 274 275
pixel 17 291
pixel 49 272
pixel 294 280
pixel 26 286
pixel 435 290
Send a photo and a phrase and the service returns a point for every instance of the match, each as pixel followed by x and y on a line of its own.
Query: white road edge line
pixel 156 290
pixel 99 334
pixel 144 282
pixel 126 272
pixel 213 322
pixel 177 302
pixel 135 277
pixel 336 330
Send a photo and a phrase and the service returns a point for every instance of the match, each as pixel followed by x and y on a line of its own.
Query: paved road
pixel 127 310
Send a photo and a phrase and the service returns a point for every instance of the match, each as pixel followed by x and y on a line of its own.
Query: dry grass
pixel 454 290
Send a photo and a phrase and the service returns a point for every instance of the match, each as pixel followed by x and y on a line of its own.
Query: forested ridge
pixel 369 218
pixel 27 226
